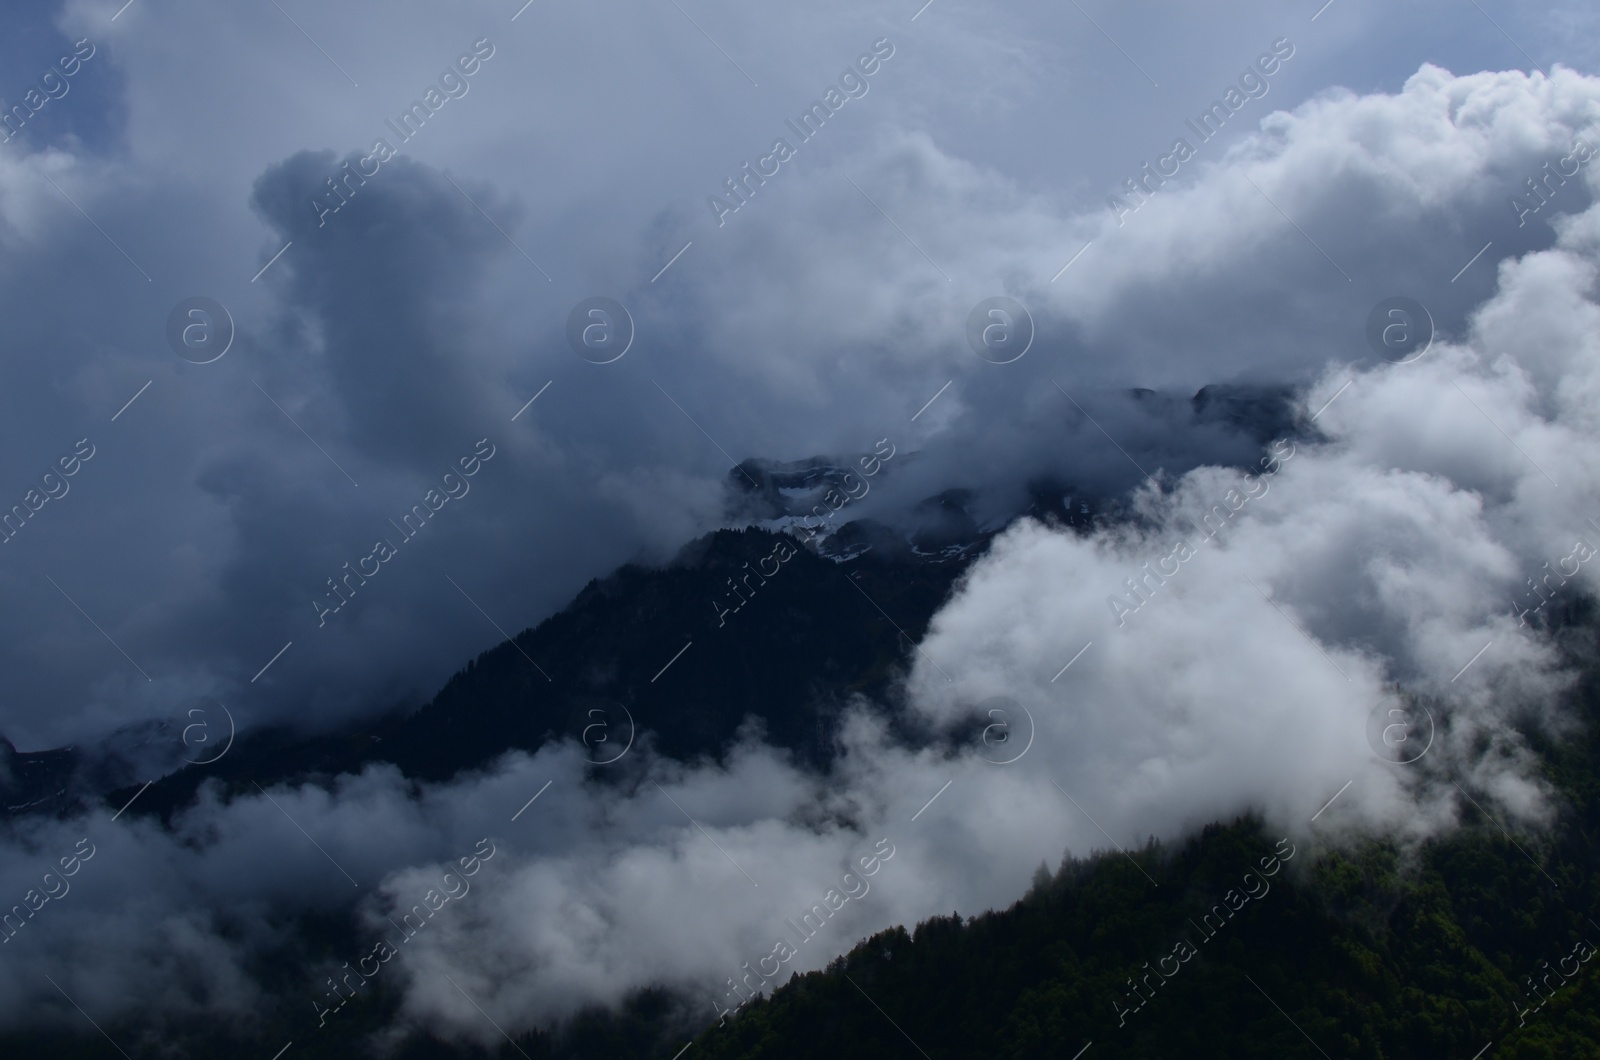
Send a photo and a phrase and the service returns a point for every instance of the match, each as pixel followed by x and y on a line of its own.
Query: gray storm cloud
pixel 1373 560
pixel 415 321
pixel 1383 557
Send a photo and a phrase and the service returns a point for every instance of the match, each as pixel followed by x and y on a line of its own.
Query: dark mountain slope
pixel 604 649
pixel 1361 954
pixel 806 636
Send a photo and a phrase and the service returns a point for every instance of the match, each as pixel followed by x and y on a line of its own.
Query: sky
pixel 392 336
pixel 381 349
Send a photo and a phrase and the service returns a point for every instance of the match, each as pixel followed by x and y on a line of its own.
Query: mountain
pixel 1475 942
pixel 1164 952
pixel 36 781
pixel 839 618
pixel 1364 950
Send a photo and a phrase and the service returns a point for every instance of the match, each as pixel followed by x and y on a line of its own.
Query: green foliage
pixel 1354 953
